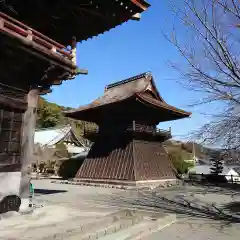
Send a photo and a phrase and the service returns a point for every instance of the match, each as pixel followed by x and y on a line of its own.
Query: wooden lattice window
pixel 10 136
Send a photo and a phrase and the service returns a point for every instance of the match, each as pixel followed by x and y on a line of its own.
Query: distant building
pixel 227 170
pixel 66 135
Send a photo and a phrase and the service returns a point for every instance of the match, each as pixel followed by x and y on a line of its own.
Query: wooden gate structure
pixel 33 57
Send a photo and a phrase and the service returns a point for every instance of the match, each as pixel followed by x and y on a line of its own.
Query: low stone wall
pixel 157 183
pixel 150 184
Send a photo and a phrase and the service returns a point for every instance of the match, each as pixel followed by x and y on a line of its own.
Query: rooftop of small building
pixel 51 136
pixel 140 87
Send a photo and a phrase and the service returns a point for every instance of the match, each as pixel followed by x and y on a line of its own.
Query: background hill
pixel 51 115
pixel 187 151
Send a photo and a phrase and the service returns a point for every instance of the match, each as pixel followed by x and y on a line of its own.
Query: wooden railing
pixel 135 128
pixel 17 29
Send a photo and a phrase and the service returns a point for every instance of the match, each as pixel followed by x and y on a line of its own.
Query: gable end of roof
pixel 116 84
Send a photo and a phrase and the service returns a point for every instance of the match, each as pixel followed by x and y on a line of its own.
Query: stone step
pixel 93 228
pixel 142 230
pixel 104 230
pixel 26 226
pixel 128 220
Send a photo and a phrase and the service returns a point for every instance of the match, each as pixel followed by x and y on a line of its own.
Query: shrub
pixel 50 170
pixel 178 161
pixel 68 168
pixel 217 165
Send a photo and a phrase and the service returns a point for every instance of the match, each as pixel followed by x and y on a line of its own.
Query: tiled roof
pixel 50 137
pixel 136 86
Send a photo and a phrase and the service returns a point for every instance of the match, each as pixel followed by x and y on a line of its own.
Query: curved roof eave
pixel 164 105
pixel 56 25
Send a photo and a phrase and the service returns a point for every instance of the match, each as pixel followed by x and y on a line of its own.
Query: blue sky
pixel 128 50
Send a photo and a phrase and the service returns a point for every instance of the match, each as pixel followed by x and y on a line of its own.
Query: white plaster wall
pixel 234 174
pixel 9 183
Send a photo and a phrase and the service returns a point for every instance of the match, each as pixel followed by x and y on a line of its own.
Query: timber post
pixel 28 130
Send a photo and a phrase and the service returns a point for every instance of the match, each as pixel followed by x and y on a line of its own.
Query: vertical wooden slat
pixel 121 158
pixel 114 156
pixel 105 167
pixel 120 164
pixel 123 165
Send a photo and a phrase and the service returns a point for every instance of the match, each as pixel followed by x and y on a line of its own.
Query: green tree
pixel 217 164
pixel 180 165
pixel 49 114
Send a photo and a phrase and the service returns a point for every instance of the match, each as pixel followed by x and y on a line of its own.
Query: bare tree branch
pixel 212 66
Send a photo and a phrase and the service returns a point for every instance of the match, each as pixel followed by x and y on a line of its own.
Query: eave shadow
pixel 48 191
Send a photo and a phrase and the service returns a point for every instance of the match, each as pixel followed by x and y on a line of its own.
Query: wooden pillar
pixel 28 130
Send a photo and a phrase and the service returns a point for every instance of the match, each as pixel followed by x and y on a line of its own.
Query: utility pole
pixel 194 154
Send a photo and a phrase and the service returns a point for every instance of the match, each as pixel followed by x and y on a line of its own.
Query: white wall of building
pixel 206 169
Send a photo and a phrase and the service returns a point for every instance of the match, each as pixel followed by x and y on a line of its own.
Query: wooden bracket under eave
pixel 57 82
pixel 44 91
pixel 136 16
pixel 78 72
pixel 82 71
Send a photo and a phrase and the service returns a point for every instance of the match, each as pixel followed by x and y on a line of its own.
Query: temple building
pixel 127 147
pixel 38 41
pixel 50 137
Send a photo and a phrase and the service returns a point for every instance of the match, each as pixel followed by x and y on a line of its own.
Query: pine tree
pixel 217 164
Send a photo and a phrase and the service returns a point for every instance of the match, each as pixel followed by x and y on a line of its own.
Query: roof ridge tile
pixel 127 80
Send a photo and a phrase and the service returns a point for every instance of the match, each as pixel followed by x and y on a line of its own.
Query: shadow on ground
pixel 48 191
pixel 180 201
pixel 233 207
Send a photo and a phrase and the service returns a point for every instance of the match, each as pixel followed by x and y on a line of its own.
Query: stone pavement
pixel 207 226
pixel 73 212
pixel 58 207
pixel 202 213
pixel 70 212
pixel 198 229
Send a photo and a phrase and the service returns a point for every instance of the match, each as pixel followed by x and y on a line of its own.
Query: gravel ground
pixel 198 229
pixel 198 210
pixel 58 207
pixel 202 212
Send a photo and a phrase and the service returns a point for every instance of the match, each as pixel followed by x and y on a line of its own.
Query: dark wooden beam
pixel 11 103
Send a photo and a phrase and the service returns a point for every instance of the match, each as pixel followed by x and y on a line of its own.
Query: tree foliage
pixel 68 168
pixel 49 114
pixel 180 165
pixel 211 52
